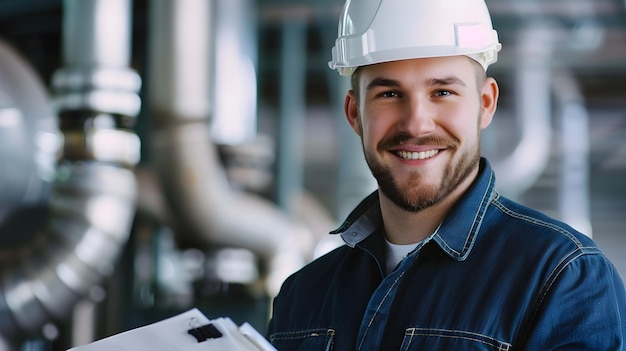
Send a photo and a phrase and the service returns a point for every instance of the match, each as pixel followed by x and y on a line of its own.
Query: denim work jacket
pixel 495 276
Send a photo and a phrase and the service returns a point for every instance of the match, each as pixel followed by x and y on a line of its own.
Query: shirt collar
pixel 364 220
pixel 456 235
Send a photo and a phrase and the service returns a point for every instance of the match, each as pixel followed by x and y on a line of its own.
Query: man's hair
pixel 354 83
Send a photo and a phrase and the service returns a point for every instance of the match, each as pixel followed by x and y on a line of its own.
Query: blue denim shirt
pixel 495 276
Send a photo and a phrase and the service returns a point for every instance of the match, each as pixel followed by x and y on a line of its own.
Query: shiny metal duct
pixel 234 29
pixel 574 196
pixel 94 191
pixel 541 44
pixel 25 117
pixel 206 211
pixel 292 112
pixel 533 78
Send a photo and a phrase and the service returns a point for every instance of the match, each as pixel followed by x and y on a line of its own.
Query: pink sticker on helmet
pixel 472 35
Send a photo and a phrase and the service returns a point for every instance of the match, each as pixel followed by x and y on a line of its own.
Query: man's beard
pixel 418 195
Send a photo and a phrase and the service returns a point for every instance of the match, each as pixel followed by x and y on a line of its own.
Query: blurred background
pixel 161 155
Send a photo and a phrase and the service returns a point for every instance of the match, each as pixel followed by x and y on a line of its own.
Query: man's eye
pixel 389 94
pixel 443 93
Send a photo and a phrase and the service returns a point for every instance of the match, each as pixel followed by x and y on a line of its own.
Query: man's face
pixel 419 121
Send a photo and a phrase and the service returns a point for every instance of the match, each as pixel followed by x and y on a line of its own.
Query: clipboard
pixel 188 331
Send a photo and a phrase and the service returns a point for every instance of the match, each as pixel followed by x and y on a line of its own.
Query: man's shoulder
pixel 529 222
pixel 327 261
pixel 320 267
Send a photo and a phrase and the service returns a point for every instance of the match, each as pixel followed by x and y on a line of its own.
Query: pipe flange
pixel 106 145
pixel 107 78
pixel 109 101
pixel 113 90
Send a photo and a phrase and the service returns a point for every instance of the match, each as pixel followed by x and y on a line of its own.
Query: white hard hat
pixel 375 31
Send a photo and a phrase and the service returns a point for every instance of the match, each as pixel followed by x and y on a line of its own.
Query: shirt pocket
pixel 443 339
pixel 306 340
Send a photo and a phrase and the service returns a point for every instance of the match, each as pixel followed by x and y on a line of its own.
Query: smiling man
pixel 436 259
pixel 420 123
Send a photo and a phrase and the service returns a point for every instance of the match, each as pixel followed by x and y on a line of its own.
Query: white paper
pixel 255 337
pixel 171 335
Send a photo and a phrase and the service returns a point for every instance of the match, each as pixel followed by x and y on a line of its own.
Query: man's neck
pixel 403 227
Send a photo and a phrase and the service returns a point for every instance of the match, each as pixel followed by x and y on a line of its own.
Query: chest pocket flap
pixel 306 340
pixel 442 339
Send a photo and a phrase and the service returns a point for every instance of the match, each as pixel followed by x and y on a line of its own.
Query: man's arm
pixel 582 307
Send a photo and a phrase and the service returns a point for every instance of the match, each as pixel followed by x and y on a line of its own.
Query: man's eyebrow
pixel 450 80
pixel 382 82
pixel 392 83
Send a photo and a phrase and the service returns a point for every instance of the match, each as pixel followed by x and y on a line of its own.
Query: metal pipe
pixel 537 44
pixel 573 205
pixel 25 109
pixel 96 54
pixel 94 192
pixel 234 120
pixel 206 210
pixel 292 114
pixel 524 165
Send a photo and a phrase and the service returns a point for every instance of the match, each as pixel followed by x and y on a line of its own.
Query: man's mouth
pixel 414 155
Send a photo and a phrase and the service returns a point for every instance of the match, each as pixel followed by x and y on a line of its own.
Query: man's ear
pixel 489 101
pixel 351 110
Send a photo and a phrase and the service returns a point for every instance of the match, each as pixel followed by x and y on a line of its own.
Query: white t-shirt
pixel 396 252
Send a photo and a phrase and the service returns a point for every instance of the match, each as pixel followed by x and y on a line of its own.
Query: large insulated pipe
pixel 574 206
pixel 94 193
pixel 206 210
pixel 25 115
pixel 533 75
pixel 524 165
pixel 291 116
pixel 233 120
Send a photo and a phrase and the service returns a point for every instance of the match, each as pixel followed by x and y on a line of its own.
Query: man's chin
pixel 413 201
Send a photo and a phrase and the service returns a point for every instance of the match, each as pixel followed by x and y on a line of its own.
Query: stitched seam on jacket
pixel 452 334
pixel 476 223
pixel 302 334
pixel 378 309
pixel 480 214
pixel 539 222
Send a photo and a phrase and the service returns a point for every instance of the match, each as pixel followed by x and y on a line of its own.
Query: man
pixel 436 259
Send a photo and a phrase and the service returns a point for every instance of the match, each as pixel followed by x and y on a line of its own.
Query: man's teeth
pixel 417 155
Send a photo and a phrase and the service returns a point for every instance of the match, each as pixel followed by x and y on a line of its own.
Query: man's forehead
pixel 454 70
pixel 456 63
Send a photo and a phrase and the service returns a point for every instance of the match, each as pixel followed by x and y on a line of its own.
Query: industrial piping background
pixel 186 161
pixel 94 192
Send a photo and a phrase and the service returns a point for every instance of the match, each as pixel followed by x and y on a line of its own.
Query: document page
pixel 188 331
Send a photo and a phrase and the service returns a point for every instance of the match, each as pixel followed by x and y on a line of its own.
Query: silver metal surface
pixel 521 168
pixel 96 52
pixel 92 204
pixel 195 185
pixel 94 32
pixel 29 136
pixel 235 29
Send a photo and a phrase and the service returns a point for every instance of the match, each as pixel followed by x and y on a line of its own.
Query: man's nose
pixel 419 117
